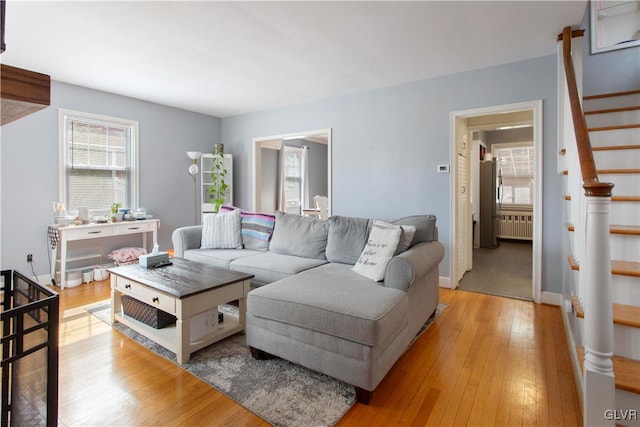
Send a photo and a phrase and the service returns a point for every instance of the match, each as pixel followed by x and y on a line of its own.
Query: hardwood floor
pixel 485 361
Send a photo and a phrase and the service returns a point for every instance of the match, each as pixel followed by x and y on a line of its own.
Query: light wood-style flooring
pixel 485 361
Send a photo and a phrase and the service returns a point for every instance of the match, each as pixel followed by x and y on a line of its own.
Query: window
pixel 99 162
pixel 516 163
pixel 293 179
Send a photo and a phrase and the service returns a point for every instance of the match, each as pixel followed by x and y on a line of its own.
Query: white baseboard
pixel 445 282
pixel 551 298
pixel 44 279
pixel 571 343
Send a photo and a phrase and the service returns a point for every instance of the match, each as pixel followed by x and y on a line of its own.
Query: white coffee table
pixel 184 289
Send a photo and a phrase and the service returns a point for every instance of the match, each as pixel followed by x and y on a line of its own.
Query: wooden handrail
pixel 590 182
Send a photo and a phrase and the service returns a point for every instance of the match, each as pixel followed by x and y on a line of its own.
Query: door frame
pixel 259 142
pixel 536 107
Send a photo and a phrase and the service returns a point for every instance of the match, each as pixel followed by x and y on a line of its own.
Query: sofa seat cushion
pixel 269 267
pixel 334 300
pixel 218 257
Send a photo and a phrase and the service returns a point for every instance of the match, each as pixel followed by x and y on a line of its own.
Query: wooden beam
pixel 22 92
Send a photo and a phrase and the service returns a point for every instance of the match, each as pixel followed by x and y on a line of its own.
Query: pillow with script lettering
pixel 382 244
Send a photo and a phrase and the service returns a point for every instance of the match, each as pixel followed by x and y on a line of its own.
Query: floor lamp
pixel 193 171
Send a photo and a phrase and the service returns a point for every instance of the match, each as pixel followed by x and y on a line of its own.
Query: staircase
pixel 599 159
pixel 613 124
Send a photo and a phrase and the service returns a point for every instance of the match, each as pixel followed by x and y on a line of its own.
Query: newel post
pixel 599 380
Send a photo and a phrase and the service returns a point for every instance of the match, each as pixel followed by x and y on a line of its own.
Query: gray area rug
pixel 280 392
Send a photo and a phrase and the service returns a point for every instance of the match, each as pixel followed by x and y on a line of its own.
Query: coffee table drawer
pixel 147 295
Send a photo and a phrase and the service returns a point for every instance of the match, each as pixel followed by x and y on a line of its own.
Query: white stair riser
pixel 617 159
pixel 618 118
pixel 626 341
pixel 626 289
pixel 625 247
pixel 615 137
pixel 625 213
pixel 611 102
pixel 626 184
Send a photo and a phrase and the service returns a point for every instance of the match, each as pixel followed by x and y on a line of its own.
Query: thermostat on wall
pixel 443 168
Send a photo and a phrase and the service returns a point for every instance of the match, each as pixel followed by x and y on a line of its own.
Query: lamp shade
pixel 194 155
pixel 193 169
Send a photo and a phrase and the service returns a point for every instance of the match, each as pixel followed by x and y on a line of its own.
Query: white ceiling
pixel 229 58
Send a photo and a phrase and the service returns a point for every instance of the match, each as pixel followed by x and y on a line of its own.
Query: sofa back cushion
pixel 347 238
pixel 299 236
pixel 256 228
pixel 425 227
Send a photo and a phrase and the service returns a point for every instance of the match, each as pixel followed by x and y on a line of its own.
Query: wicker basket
pixel 146 313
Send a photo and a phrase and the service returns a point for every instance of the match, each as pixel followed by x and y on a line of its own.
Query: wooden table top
pixel 183 278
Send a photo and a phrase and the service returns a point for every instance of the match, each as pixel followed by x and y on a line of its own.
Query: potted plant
pixel 218 187
pixel 114 210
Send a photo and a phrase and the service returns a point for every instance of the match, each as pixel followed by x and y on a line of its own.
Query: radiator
pixel 515 225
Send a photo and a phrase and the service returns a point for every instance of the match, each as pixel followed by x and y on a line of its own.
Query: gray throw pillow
pixel 347 238
pixel 425 227
pixel 299 236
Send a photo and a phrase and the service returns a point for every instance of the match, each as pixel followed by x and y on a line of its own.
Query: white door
pixel 464 221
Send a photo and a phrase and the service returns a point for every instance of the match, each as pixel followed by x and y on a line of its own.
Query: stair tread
pixel 626 371
pixel 621 268
pixel 625 198
pixel 626 315
pixel 616 147
pixel 616 127
pixel 611 94
pixel 612 110
pixel 625 229
pixel 620 171
pixel 614 229
pixel 614 198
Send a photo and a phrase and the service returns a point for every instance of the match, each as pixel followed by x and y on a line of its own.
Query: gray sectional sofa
pixel 309 306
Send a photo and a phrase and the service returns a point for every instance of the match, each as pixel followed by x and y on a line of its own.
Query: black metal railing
pixel 29 352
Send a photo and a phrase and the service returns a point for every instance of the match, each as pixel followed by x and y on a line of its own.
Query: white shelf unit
pixel 206 161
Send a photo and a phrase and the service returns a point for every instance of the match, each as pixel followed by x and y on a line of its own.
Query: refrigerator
pixel 489 218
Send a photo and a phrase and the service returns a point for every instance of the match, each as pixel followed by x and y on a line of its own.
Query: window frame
pixel 513 145
pixel 133 152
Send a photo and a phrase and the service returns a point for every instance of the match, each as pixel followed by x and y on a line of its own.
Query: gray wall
pixel 387 144
pixel 269 181
pixel 606 72
pixel 29 173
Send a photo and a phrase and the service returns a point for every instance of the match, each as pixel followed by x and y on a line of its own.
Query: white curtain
pixel 293 178
pixel 304 165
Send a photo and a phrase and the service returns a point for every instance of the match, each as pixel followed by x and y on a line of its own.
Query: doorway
pixel 290 169
pixel 468 148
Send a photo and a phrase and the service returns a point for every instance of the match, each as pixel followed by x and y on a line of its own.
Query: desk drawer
pixel 129 227
pixel 88 233
pixel 146 295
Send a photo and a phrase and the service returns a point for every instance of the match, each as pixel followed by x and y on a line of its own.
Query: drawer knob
pixel 127 286
pixel 155 299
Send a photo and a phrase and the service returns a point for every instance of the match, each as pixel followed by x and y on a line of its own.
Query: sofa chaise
pixel 344 296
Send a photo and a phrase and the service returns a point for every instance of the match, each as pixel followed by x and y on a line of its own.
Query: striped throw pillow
pixel 256 228
pixel 221 231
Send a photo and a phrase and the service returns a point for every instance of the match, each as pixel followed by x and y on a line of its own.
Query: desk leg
pixel 63 260
pixel 54 258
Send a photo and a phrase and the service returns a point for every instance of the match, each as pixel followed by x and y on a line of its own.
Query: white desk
pixel 98 231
